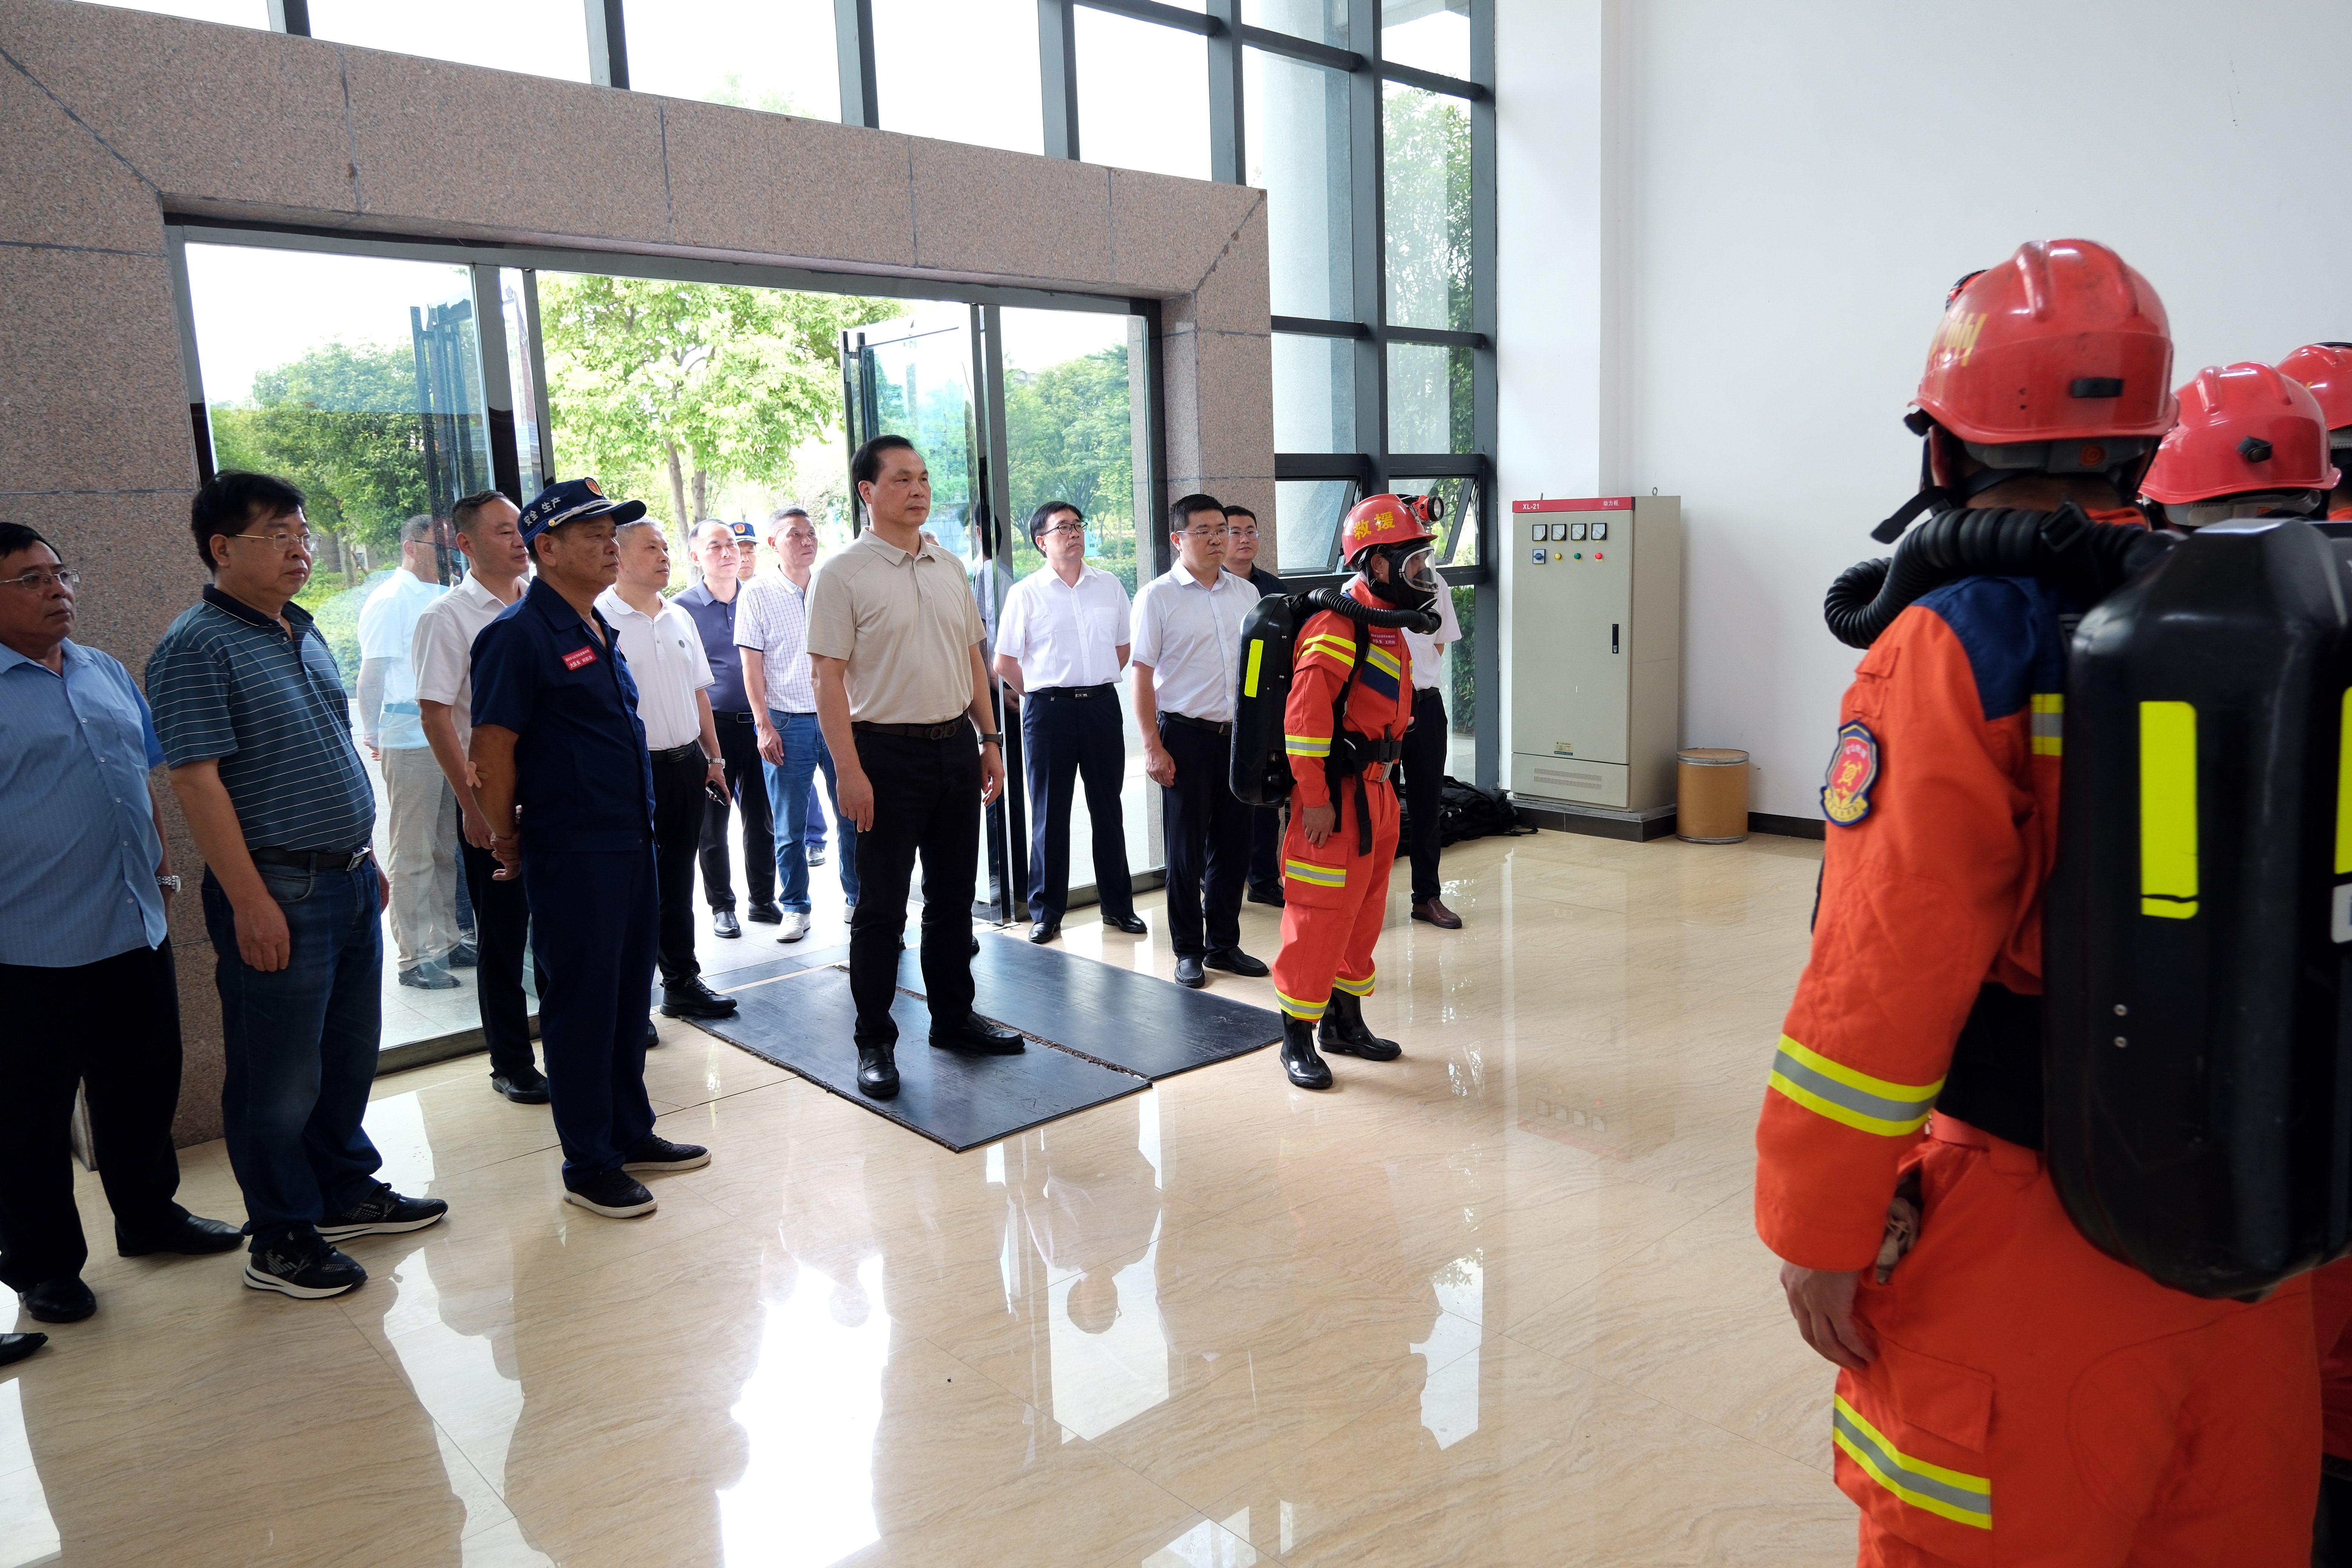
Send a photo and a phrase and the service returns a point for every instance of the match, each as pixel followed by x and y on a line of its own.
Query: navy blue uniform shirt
pixel 582 775
pixel 716 622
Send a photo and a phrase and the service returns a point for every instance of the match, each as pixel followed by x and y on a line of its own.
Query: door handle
pixel 1612 636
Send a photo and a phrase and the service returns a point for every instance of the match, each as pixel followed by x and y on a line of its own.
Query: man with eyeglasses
pixel 567 786
pixel 719 551
pixel 85 887
pixel 771 630
pixel 1187 657
pixel 1266 821
pixel 1061 642
pixel 422 831
pixel 256 729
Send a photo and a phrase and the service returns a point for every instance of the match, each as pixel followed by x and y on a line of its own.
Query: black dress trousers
pixel 1066 735
pixel 127 1052
pixel 738 746
pixel 927 802
pixel 1423 762
pixel 680 807
pixel 1208 841
pixel 502 936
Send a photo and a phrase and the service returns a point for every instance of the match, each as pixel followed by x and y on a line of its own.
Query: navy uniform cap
pixel 570 501
pixel 743 532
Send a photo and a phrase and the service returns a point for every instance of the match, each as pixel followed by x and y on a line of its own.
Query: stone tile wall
pixel 113 118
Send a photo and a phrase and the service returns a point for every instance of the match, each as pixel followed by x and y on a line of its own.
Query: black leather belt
pixel 1075 691
pixel 1214 727
pixel 313 860
pixel 718 718
pixel 946 731
pixel 691 752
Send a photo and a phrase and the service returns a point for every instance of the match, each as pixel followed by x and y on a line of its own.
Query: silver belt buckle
pixel 359 858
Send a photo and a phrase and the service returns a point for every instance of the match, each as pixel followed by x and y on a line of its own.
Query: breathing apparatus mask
pixel 1412 574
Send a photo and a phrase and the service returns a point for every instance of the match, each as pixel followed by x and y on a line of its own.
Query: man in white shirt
pixel 1187 642
pixel 771 628
pixel 1423 762
pixel 422 856
pixel 1061 641
pixel 489 534
pixel 662 649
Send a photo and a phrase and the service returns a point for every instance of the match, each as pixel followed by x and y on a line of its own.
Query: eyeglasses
pixel 1218 532
pixel 287 543
pixel 1242 532
pixel 42 582
pixel 1064 527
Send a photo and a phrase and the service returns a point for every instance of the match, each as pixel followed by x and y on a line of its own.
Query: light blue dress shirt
pixel 79 854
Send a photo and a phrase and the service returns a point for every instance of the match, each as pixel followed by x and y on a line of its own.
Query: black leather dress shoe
pixel 1129 922
pixel 765 914
pixel 194 1237
pixel 877 1071
pixel 66 1301
pixel 693 999
pixel 1045 931
pixel 523 1090
pixel 1344 1033
pixel 1299 1062
pixel 977 1036
pixel 1188 972
pixel 16 1347
pixel 1271 894
pixel 1233 960
pixel 653 1035
pixel 724 924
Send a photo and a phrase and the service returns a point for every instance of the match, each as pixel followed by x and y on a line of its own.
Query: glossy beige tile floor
pixel 1498 1303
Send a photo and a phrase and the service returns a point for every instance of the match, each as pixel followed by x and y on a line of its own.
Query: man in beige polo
pixel 896 646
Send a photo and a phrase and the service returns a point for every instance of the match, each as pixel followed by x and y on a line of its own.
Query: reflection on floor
pixel 1498 1303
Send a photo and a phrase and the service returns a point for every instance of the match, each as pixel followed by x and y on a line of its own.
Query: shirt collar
pixel 229 604
pixel 471 586
pixel 611 603
pixel 925 550
pixel 1183 579
pixel 74 654
pixel 557 611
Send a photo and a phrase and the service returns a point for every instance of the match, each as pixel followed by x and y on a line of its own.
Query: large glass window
pixel 1314 394
pixel 776 54
pixel 1297 145
pixel 1426 205
pixel 1323 21
pixel 1430 405
pixel 961 70
pixel 1429 35
pixel 1310 511
pixel 544 37
pixel 1143 95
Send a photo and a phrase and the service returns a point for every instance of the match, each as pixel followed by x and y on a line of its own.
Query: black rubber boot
pixel 1306 1069
pixel 1343 1033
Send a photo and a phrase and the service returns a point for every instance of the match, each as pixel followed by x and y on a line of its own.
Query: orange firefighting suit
pixel 1336 894
pixel 2032 1400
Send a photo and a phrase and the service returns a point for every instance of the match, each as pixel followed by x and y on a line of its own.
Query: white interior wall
pixel 1725 235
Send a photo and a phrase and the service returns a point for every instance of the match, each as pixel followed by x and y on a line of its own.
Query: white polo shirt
pixel 1190 636
pixel 1428 660
pixel 1065 633
pixel 666 659
pixel 442 651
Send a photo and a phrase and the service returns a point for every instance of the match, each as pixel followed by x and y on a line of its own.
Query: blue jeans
pixel 791 791
pixel 300 1046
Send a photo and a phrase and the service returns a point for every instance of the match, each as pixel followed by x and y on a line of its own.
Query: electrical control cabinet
pixel 1596 650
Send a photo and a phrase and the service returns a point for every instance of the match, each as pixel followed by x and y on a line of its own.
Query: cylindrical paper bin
pixel 1711 796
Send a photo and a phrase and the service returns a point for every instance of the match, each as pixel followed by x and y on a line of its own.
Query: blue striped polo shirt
pixel 227 684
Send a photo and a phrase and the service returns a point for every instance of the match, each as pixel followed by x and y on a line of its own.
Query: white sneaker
pixel 796 926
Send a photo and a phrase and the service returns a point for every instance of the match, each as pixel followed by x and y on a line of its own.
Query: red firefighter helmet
pixel 2245 430
pixel 2327 369
pixel 1387 519
pixel 2061 342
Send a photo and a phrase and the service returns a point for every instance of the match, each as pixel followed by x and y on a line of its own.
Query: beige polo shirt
pixel 906 623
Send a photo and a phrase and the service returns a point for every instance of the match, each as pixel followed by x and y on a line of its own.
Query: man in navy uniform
pixel 561 757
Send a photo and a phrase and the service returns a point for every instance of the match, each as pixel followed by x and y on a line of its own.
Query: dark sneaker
pixel 658 1153
pixel 304 1268
pixel 382 1213
pixel 615 1195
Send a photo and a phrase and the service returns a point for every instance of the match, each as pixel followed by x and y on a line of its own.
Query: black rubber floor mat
pixel 804 1021
pixel 1140 1023
pixel 776 961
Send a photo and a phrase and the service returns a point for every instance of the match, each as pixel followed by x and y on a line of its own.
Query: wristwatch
pixel 169 884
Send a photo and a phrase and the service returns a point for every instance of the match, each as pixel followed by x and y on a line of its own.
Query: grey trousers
pixel 420 822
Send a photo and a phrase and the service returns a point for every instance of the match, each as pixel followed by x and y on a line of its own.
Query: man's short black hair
pixel 1233 511
pixel 468 512
pixel 1179 516
pixel 1047 513
pixel 233 501
pixel 866 464
pixel 15 537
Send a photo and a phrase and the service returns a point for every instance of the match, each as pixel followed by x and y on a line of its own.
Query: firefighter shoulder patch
pixel 1845 789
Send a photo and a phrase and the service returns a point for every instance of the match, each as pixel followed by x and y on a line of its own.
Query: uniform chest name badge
pixel 579 658
pixel 1853 768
